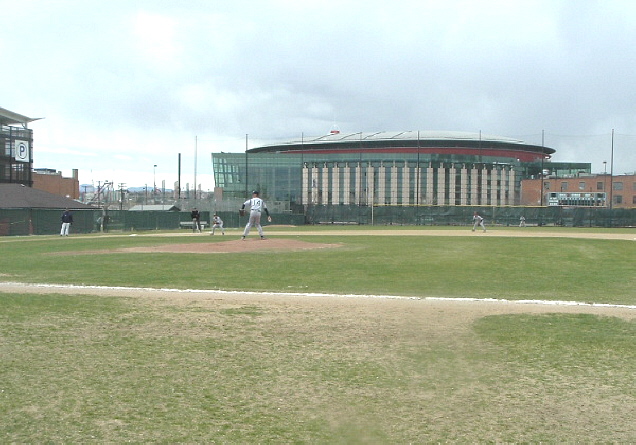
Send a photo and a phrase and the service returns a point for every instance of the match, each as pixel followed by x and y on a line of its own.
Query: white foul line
pixel 313 294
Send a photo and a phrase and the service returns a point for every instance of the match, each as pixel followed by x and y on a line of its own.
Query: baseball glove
pixel 241 212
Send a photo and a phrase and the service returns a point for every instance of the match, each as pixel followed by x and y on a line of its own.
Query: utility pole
pixel 121 195
pixel 611 184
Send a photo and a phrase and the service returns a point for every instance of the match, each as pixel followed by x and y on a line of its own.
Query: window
pixel 618 199
pixel 618 186
pixel 546 185
pixel 564 186
pixel 581 185
pixel 634 199
pixel 599 186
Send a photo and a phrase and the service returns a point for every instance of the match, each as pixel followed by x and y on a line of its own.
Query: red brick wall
pixel 531 188
pixel 57 184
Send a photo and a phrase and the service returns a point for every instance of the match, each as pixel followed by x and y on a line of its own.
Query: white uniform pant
pixel 65 229
pixel 255 220
pixel 479 223
pixel 218 226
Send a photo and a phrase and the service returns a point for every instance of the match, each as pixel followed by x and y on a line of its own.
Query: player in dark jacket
pixel 67 220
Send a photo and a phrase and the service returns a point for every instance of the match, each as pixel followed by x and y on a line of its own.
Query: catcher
pixel 257 205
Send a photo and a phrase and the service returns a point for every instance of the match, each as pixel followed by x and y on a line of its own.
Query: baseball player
pixel 256 205
pixel 67 220
pixel 478 220
pixel 217 223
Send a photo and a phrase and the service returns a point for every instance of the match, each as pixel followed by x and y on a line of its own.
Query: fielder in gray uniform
pixel 217 223
pixel 478 221
pixel 256 205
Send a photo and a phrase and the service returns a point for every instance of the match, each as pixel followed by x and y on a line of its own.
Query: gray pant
pixel 479 223
pixel 255 220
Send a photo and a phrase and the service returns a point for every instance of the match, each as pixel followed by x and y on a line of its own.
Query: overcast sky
pixel 125 85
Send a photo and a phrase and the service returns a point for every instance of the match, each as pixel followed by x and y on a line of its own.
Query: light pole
pixel 154 182
pixel 605 181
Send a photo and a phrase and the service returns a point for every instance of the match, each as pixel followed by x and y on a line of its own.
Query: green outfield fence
pixel 47 221
pixel 462 215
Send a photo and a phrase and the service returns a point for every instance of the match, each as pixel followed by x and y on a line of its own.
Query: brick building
pixel 52 181
pixel 582 190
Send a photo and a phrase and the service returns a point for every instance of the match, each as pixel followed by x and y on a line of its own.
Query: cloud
pixel 140 80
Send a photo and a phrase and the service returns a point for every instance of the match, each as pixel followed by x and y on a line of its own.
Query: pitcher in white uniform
pixel 256 205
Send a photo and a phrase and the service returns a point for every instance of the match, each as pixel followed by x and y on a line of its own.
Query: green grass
pixel 80 369
pixel 86 369
pixel 483 267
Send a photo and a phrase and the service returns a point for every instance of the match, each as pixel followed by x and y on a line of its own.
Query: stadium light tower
pixel 154 181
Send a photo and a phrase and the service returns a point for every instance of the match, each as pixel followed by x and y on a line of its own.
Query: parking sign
pixel 21 151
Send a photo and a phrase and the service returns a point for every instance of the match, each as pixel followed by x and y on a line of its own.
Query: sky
pixel 125 86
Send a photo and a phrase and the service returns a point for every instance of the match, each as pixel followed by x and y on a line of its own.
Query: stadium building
pixel 387 169
pixel 16 145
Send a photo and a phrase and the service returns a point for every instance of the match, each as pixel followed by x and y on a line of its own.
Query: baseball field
pixel 320 335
